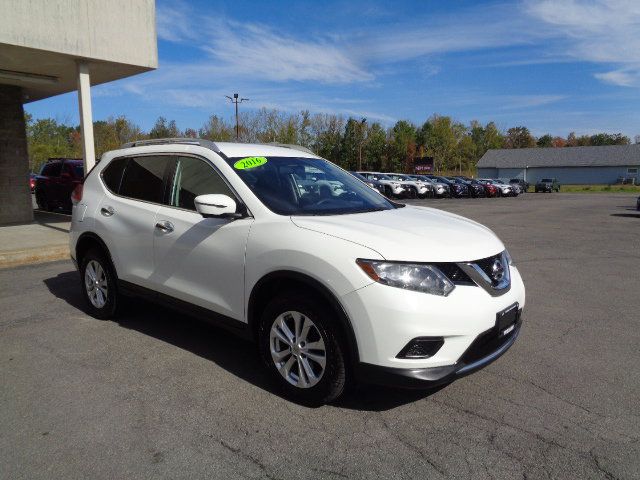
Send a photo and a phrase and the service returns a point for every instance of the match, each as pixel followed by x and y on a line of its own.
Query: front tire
pixel 99 286
pixel 302 348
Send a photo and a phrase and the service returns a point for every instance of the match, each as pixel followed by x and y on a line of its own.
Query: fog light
pixel 421 347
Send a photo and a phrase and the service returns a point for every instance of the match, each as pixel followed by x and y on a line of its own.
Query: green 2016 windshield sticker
pixel 249 162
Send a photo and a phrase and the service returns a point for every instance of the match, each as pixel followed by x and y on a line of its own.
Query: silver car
pixel 506 190
pixel 393 188
pixel 415 187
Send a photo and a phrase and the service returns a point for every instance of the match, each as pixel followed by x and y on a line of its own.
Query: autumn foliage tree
pixel 454 146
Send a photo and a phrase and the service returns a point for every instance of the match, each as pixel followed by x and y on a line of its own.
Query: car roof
pixel 232 149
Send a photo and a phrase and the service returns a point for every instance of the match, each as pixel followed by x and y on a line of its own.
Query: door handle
pixel 164 226
pixel 107 211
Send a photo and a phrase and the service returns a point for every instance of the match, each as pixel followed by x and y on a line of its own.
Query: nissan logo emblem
pixel 497 270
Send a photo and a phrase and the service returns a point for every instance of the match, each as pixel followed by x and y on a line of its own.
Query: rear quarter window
pixel 112 174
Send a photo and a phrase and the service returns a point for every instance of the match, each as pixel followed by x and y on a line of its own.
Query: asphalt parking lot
pixel 160 395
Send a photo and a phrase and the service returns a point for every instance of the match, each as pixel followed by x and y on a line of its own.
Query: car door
pixel 125 216
pixel 200 260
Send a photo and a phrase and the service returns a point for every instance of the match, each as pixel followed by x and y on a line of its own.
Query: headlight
pixel 410 276
pixel 508 257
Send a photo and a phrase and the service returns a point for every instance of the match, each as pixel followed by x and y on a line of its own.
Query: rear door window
pixel 143 178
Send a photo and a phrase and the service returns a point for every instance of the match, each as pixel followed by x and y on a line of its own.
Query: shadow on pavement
pixel 232 353
pixel 626 215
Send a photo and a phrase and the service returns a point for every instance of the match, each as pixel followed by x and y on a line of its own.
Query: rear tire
pixel 99 285
pixel 42 202
pixel 302 348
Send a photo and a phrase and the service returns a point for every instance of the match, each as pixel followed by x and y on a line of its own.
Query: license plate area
pixel 506 320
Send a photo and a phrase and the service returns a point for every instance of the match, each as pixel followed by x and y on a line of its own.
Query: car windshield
pixel 360 177
pixel 546 180
pixel 382 176
pixel 444 180
pixel 307 186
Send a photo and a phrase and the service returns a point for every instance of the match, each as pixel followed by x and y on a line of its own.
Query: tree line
pixel 353 143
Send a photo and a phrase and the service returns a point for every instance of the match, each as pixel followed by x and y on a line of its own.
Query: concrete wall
pixel 122 31
pixel 15 196
pixel 565 175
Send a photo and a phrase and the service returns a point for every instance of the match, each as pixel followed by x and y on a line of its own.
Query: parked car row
pixel 400 185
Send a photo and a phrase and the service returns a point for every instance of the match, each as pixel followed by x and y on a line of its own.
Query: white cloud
pixel 528 101
pixel 174 23
pixel 259 51
pixel 603 32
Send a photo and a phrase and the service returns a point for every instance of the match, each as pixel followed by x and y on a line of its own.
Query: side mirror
pixel 215 205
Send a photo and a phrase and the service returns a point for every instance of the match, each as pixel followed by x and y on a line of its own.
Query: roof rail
pixel 291 146
pixel 182 141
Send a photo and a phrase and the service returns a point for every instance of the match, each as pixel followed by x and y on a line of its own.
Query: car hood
pixel 410 233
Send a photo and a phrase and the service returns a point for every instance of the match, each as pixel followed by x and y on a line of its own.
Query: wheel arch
pixel 88 240
pixel 280 280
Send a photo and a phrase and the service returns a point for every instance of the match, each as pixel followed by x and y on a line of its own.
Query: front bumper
pixel 471 361
pixel 385 319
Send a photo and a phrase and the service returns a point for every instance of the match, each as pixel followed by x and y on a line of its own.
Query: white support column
pixel 86 118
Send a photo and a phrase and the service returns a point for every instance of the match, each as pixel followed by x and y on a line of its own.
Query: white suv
pixel 333 284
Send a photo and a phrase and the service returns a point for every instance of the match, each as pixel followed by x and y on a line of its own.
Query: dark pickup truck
pixel 547 185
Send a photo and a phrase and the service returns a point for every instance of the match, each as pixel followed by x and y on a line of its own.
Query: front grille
pixel 487 343
pixel 486 264
pixel 455 274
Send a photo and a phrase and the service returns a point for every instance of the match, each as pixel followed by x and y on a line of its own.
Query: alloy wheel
pixel 297 349
pixel 95 281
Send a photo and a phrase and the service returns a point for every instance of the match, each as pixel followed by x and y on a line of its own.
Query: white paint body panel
pixel 202 260
pixel 215 263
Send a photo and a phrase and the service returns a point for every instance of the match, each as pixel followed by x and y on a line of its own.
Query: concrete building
pixel 570 165
pixel 50 47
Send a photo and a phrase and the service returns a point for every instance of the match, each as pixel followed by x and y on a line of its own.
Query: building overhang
pixel 42 73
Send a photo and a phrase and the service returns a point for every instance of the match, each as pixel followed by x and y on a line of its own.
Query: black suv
pixel 547 185
pixel 57 179
pixel 476 189
pixel 457 190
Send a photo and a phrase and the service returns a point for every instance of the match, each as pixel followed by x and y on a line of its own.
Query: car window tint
pixel 195 177
pixel 112 174
pixel 68 168
pixel 52 169
pixel 143 178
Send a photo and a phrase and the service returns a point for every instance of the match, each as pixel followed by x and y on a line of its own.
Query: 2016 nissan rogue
pixel 333 281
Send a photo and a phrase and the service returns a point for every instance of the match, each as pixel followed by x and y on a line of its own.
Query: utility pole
pixel 363 123
pixel 236 101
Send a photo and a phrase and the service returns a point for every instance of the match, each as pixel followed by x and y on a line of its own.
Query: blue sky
pixel 553 65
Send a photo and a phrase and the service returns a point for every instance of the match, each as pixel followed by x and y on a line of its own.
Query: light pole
pixel 236 101
pixel 363 123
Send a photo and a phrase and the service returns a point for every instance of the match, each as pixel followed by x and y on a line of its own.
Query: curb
pixel 30 256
